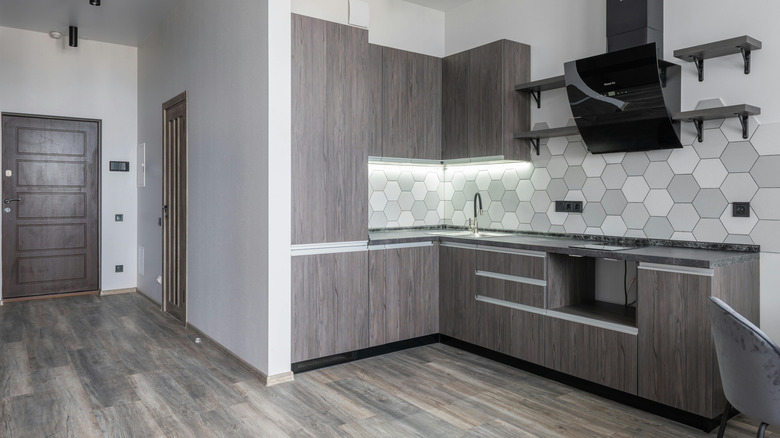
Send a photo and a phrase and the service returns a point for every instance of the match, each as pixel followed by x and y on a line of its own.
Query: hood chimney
pixel 632 23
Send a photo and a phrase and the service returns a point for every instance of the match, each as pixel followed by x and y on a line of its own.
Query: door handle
pixel 10 200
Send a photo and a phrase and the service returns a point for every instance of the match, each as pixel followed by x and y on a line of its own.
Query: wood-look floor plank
pixel 201 384
pixel 14 371
pixel 128 420
pixel 163 395
pixel 375 398
pixel 105 385
pixel 130 370
pixel 12 323
pixel 47 350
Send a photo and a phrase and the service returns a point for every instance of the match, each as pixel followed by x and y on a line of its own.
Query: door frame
pixel 99 194
pixel 167 104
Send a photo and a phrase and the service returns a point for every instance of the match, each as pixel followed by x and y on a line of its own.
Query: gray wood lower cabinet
pixel 329 304
pixel 456 292
pixel 677 363
pixel 404 293
pixel 599 355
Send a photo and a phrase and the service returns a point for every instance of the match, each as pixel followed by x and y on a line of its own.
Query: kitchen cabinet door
pixel 455 106
pixel 329 304
pixel 676 353
pixel 411 105
pixel 481 111
pixel 599 355
pixel 404 293
pixel 336 101
pixel 457 292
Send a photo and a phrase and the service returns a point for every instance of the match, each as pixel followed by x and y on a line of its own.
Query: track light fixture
pixel 94 2
pixel 73 36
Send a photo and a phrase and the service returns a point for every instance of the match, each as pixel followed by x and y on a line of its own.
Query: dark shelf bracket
pixel 699 63
pixel 535 144
pixel 663 76
pixel 537 95
pixel 699 124
pixel 743 120
pixel 746 58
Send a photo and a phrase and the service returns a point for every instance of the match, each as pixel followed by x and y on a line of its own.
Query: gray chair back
pixel 749 364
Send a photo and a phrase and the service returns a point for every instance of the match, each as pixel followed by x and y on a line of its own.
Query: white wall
pixel 560 31
pixel 219 53
pixel 392 23
pixel 557 31
pixel 278 227
pixel 97 80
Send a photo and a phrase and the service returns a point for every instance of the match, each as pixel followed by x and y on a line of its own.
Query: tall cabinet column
pixel 336 99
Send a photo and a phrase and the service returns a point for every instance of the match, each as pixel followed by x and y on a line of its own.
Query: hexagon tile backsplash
pixel 681 194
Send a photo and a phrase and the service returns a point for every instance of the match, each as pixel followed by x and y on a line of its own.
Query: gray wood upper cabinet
pixel 677 363
pixel 336 101
pixel 330 304
pixel 403 293
pixel 411 105
pixel 456 293
pixel 481 111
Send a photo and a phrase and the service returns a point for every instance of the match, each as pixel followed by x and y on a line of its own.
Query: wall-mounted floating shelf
pixel 534 136
pixel 535 88
pixel 698 117
pixel 697 54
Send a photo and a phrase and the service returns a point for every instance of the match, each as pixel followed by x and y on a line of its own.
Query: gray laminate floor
pixel 116 366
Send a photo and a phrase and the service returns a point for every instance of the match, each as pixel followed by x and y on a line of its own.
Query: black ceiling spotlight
pixel 94 2
pixel 73 36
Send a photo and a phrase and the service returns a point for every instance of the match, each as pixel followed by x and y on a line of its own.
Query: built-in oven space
pixel 593 291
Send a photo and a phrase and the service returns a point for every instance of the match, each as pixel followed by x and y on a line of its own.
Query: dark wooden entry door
pixel 175 207
pixel 50 206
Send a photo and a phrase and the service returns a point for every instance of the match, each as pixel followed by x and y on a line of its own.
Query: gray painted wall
pixel 205 47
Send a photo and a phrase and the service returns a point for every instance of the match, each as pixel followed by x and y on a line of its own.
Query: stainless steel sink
pixel 449 233
pixel 481 234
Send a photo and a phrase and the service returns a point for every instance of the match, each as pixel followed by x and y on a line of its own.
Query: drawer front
pixel 510 290
pixel 510 331
pixel 599 355
pixel 524 264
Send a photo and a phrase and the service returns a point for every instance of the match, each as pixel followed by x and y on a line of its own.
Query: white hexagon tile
pixel 682 194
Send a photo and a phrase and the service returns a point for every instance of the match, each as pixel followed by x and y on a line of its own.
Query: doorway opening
pixel 174 209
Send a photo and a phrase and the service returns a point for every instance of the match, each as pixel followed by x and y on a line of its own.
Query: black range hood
pixel 623 100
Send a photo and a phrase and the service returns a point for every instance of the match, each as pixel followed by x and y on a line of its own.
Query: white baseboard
pixel 130 290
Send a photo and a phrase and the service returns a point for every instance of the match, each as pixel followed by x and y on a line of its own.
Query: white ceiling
pixel 441 5
pixel 126 22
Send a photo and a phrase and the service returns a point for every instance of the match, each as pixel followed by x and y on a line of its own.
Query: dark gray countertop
pixel 650 252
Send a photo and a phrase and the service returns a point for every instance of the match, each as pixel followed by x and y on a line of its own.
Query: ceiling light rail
pixel 697 54
pixel 742 111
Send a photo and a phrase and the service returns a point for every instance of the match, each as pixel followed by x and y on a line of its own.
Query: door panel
pixel 175 207
pixel 51 235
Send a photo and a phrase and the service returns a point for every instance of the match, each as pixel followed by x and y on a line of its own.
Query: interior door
pixel 175 207
pixel 51 174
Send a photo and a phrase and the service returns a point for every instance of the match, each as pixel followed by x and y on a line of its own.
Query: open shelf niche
pixel 571 295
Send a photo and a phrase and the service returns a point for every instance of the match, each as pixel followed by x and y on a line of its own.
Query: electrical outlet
pixel 741 209
pixel 119 268
pixel 568 206
pixel 119 217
